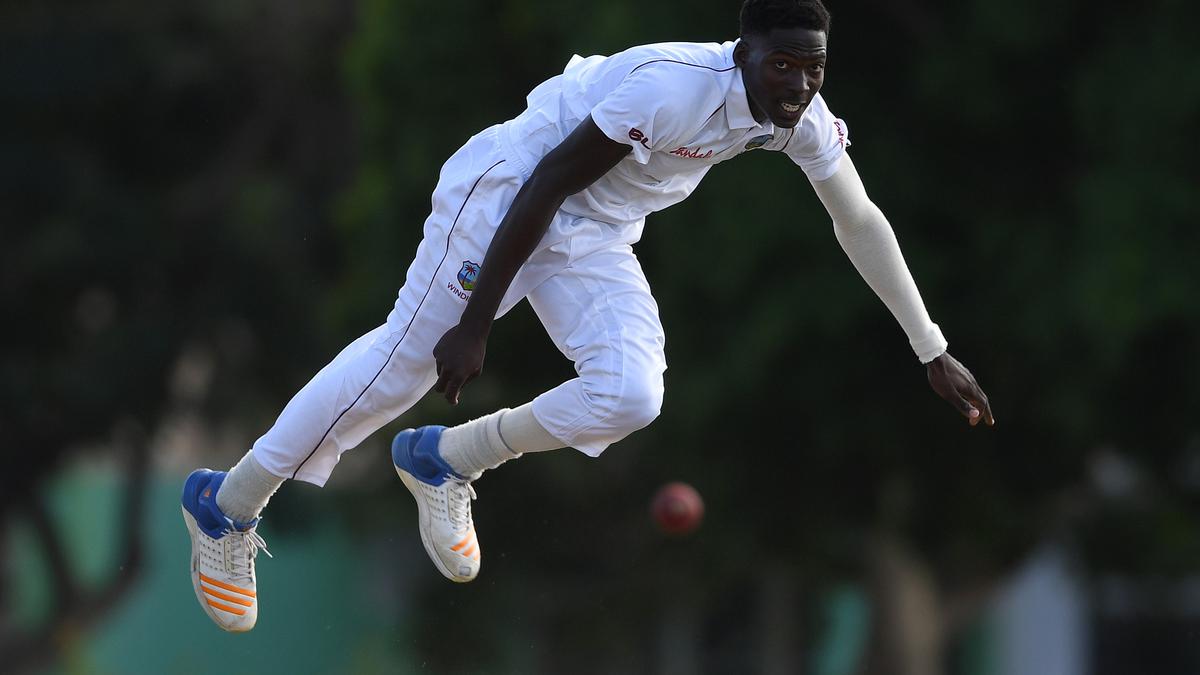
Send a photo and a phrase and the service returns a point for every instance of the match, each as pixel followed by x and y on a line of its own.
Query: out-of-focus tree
pixel 167 168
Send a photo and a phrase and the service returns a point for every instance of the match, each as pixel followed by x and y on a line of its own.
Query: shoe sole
pixel 192 528
pixel 412 484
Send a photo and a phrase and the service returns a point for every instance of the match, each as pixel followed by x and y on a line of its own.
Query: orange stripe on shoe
pixel 227 608
pixel 228 587
pixel 467 553
pixel 217 594
pixel 462 543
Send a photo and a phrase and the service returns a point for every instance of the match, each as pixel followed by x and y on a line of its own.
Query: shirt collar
pixel 737 105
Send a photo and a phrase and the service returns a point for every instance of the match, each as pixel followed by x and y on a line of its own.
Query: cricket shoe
pixel 223 553
pixel 443 502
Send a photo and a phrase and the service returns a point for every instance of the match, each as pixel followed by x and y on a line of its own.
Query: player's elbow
pixel 548 184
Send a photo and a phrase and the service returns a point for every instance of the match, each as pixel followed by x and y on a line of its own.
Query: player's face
pixel 782 70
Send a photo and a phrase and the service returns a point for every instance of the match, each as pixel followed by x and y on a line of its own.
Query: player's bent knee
pixel 640 404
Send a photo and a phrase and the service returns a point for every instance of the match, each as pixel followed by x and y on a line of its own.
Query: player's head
pixel 759 17
pixel 782 56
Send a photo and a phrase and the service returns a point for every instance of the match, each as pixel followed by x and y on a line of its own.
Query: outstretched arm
pixel 869 242
pixel 581 159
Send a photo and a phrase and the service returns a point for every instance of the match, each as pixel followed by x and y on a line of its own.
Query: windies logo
pixel 467 275
pixel 758 141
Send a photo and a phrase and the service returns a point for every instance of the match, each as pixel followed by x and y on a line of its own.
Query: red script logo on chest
pixel 681 151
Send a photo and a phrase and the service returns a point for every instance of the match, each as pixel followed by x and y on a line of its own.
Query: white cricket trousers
pixel 583 281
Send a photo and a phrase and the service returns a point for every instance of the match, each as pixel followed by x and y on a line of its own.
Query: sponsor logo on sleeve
pixel 638 136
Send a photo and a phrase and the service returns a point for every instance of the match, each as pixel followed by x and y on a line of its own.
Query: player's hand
pixel 459 357
pixel 953 382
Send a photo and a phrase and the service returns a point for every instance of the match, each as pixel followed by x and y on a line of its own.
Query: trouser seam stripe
pixel 382 368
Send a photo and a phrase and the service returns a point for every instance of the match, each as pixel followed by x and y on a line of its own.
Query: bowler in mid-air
pixel 546 207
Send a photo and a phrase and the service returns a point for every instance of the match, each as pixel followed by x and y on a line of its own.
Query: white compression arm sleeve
pixel 867 237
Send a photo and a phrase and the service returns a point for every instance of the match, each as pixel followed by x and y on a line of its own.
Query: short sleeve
pixel 818 141
pixel 649 111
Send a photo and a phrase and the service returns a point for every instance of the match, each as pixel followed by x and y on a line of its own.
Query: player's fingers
pixel 979 401
pixel 967 409
pixel 454 387
pixel 443 377
pixel 985 410
pixel 463 385
pixel 451 392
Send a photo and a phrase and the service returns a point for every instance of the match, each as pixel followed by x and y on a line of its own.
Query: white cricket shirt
pixel 681 106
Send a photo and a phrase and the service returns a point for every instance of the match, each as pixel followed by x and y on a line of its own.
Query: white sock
pixel 521 431
pixel 246 490
pixel 487 442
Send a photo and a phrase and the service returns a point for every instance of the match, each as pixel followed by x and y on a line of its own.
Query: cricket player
pixel 545 207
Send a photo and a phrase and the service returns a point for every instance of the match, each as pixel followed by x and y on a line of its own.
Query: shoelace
pixel 458 498
pixel 251 543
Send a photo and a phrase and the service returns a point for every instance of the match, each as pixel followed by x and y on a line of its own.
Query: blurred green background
pixel 201 203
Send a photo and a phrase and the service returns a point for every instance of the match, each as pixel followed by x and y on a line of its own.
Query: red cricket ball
pixel 677 508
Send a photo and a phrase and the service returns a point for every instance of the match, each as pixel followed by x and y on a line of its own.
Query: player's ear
pixel 741 53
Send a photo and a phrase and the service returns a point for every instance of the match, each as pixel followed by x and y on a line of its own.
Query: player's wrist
pixel 931 345
pixel 476 323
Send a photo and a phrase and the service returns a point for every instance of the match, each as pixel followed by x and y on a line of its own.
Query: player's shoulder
pixel 683 76
pixel 691 62
pixel 699 57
